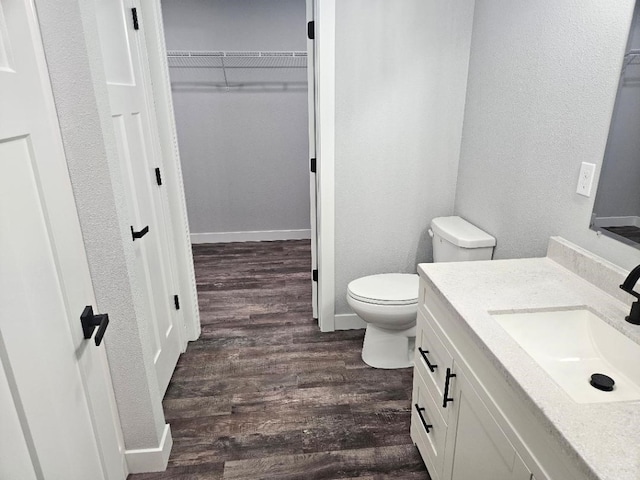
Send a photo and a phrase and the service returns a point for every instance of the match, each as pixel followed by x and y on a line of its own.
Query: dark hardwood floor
pixel 264 395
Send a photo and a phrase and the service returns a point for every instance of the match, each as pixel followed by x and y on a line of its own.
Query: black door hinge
pixel 158 177
pixel 311 30
pixel 134 14
pixel 313 165
pixel 315 275
pixel 176 301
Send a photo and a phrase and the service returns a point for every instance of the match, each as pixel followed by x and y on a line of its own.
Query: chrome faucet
pixel 627 286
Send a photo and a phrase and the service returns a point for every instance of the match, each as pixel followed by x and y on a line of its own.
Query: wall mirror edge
pixel 616 210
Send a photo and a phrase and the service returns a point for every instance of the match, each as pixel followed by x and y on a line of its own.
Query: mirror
pixel 616 212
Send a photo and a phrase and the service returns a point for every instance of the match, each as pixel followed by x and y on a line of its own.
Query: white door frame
pixel 323 58
pixel 325 36
pixel 311 106
pixel 160 88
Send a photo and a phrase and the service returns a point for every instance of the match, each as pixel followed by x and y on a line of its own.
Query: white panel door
pixel 139 154
pixel 57 412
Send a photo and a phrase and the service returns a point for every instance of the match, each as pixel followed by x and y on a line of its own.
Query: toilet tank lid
pixel 461 233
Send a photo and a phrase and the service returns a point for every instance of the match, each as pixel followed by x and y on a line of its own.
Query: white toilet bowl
pixel 389 304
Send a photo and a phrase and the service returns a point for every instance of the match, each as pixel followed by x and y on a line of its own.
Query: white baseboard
pixel 258 236
pixel 349 321
pixel 151 459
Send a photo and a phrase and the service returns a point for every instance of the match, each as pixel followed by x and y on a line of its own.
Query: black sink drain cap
pixel 602 382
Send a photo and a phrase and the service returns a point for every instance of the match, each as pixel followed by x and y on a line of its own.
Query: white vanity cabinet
pixel 479 447
pixel 481 431
pixel 462 440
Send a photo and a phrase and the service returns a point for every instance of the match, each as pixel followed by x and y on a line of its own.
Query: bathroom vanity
pixel 485 407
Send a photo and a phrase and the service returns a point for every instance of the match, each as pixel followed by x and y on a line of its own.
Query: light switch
pixel 585 179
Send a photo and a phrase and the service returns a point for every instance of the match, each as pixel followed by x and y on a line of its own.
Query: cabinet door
pixel 480 448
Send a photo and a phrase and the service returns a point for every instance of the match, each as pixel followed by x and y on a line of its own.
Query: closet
pixel 239 84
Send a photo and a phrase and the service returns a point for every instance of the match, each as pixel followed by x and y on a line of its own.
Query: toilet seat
pixel 385 289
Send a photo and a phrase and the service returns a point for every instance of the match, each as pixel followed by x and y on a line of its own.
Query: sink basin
pixel 571 345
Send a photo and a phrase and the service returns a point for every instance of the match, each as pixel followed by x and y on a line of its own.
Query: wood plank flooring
pixel 264 395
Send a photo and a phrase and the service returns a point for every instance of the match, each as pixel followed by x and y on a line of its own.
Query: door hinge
pixel 134 14
pixel 311 30
pixel 313 165
pixel 158 177
pixel 176 301
pixel 314 275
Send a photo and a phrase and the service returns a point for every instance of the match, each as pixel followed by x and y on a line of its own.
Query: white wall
pixel 618 189
pixel 400 81
pixel 70 39
pixel 542 81
pixel 244 152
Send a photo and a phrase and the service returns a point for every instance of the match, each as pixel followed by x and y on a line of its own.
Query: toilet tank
pixel 456 240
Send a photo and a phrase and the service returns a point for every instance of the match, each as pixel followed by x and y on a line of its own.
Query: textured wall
pixel 81 98
pixel 543 76
pixel 618 189
pixel 400 81
pixel 244 153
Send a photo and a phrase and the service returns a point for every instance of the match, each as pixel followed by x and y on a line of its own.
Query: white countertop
pixel 604 438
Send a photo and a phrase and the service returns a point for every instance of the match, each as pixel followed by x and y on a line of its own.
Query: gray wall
pixel 618 193
pixel 244 152
pixel 400 81
pixel 543 76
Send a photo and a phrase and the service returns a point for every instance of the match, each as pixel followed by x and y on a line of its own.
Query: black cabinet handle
pixel 424 422
pixel 90 322
pixel 446 398
pixel 139 234
pixel 432 368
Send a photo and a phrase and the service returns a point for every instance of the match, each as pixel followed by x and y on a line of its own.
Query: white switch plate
pixel 585 179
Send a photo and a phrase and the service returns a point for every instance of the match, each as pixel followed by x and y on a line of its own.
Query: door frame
pixel 322 135
pixel 159 86
pixel 324 73
pixel 313 192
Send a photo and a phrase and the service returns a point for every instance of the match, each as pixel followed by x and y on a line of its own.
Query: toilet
pixel 388 302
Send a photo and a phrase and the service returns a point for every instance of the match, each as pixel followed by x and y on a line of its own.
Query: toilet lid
pixel 386 289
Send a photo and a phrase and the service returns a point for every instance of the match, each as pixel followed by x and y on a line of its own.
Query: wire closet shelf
pixel 242 71
pixel 225 60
